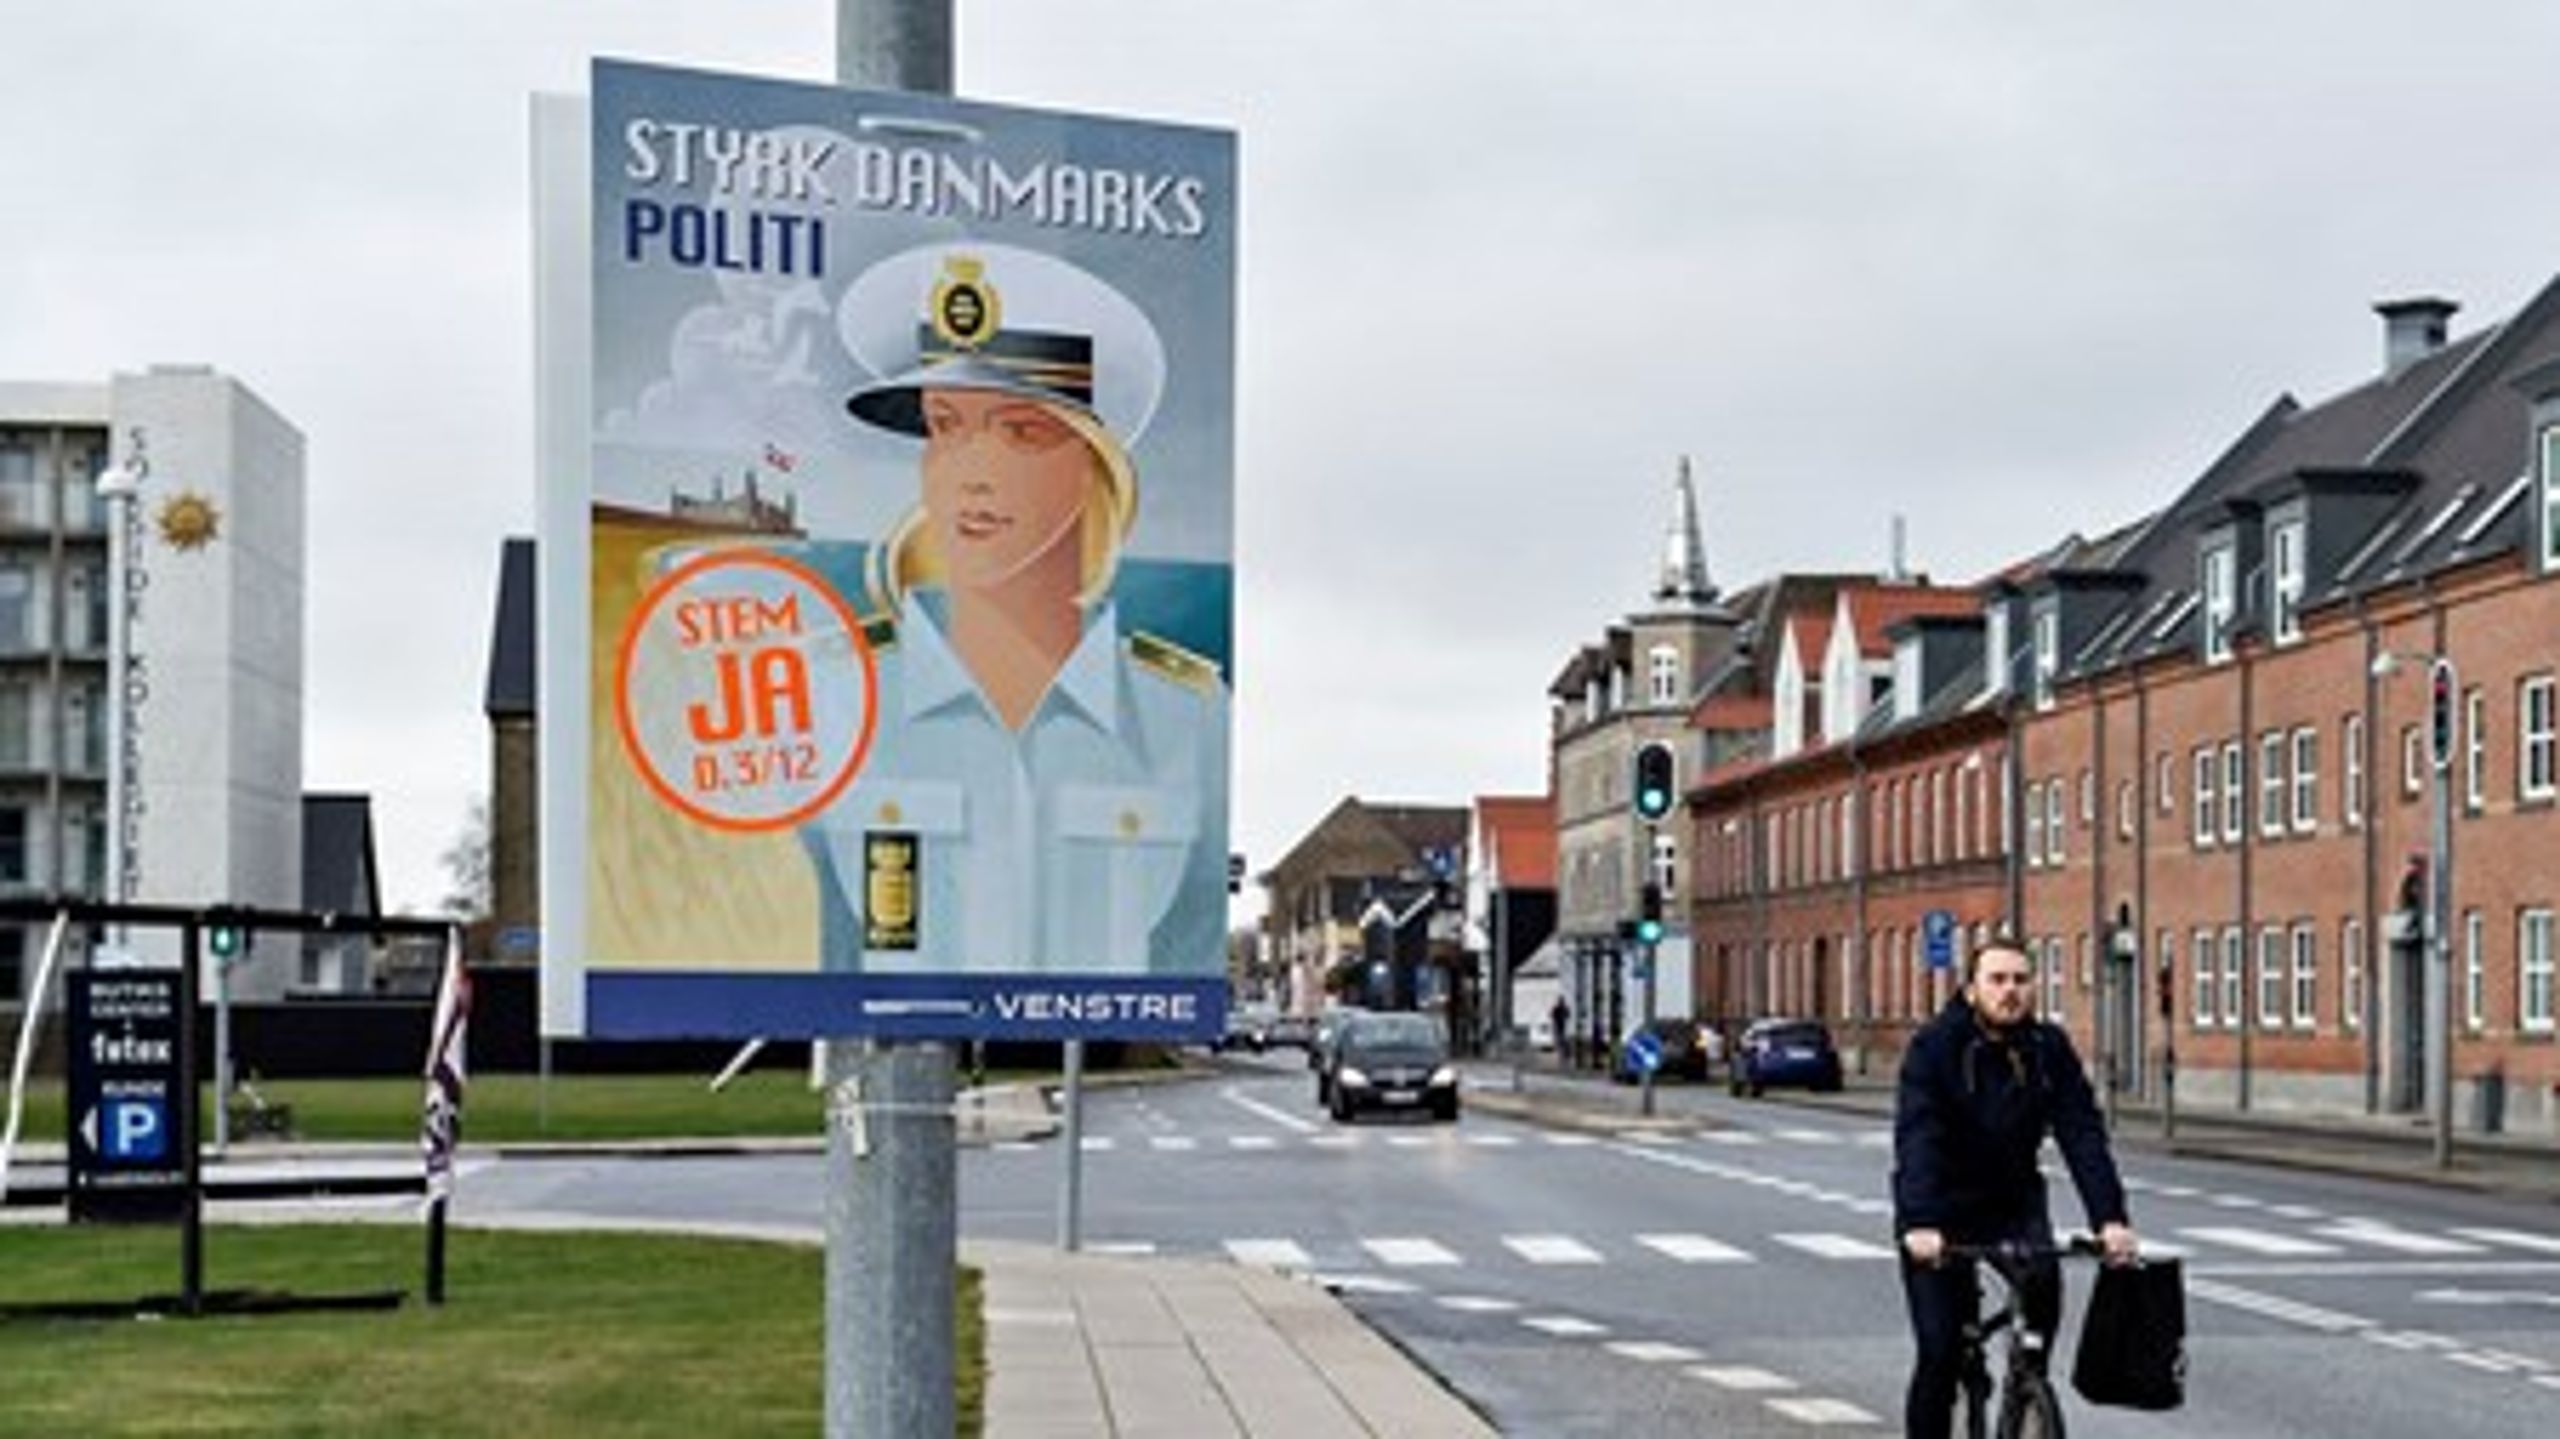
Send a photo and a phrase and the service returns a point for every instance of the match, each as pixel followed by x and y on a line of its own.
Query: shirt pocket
pixel 1125 847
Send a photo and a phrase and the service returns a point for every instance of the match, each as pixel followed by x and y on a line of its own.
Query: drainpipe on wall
pixel 1854 855
pixel 2369 1021
pixel 2250 779
pixel 1753 999
pixel 2098 945
pixel 2013 818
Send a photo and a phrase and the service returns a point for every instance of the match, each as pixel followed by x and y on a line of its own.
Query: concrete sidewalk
pixel 1084 1344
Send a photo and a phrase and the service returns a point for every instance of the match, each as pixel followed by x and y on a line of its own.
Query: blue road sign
pixel 135 1131
pixel 1645 1049
pixel 1938 938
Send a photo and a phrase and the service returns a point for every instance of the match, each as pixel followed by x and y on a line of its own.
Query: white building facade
pixel 217 634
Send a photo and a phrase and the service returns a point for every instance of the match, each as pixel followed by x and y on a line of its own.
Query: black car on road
pixel 1395 1061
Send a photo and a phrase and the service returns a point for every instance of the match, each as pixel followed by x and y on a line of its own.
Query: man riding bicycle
pixel 1981 1086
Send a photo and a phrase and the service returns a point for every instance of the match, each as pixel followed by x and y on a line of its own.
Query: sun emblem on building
pixel 188 521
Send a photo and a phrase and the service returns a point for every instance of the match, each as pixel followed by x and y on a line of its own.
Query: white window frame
pixel 2475 749
pixel 2306 780
pixel 2164 778
pixel 2053 976
pixel 1938 817
pixel 2035 824
pixel 2126 800
pixel 2271 969
pixel 2351 975
pixel 2285 565
pixel 2551 497
pixel 2221 586
pixel 2200 1013
pixel 2202 826
pixel 2306 978
pixel 2235 791
pixel 2537 778
pixel 2272 785
pixel 2235 948
pixel 2533 971
pixel 2351 795
pixel 2475 971
pixel 1662 674
pixel 2048 635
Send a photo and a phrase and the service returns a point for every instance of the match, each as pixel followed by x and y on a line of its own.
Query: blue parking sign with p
pixel 136 1131
pixel 1938 938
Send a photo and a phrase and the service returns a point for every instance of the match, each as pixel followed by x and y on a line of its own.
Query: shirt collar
pixel 935 677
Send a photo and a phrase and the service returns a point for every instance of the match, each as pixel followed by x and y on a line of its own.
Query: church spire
pixel 1684 554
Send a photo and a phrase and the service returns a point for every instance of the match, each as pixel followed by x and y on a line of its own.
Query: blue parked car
pixel 1777 1053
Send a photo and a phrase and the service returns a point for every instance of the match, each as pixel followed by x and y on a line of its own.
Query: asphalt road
pixel 1729 1275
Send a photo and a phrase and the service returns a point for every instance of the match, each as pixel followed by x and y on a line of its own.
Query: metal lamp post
pixel 119 485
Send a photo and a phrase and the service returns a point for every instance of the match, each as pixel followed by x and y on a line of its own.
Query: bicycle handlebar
pixel 2021 1251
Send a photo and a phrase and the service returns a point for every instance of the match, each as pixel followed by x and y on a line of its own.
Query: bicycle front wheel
pixel 2028 1408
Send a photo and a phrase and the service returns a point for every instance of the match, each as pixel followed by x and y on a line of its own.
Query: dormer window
pixel 2285 542
pixel 1662 675
pixel 2551 498
pixel 1995 653
pixel 2048 654
pixel 2221 586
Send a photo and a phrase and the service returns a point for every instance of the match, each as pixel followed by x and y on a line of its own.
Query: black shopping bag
pixel 2133 1341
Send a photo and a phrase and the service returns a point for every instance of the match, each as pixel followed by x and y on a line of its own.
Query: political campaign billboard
pixel 888 601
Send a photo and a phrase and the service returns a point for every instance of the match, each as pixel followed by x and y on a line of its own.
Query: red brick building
pixel 2190 765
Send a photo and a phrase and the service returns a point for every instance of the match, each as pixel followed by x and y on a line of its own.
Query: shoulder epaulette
pixel 1167 660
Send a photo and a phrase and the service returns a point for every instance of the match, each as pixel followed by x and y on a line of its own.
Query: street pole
pixel 120 485
pixel 892 1163
pixel 2440 926
pixel 1071 1186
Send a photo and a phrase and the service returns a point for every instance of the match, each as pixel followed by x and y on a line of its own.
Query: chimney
pixel 2412 329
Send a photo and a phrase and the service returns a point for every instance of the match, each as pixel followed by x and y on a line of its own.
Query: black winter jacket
pixel 1971 1112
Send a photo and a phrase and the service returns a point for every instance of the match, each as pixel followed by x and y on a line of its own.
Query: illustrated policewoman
pixel 1046 790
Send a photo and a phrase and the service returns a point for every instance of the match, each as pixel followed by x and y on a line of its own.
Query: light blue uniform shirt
pixel 1092 841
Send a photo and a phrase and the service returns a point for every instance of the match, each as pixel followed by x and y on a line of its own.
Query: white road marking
pixel 1136 1247
pixel 1572 1141
pixel 1251 1141
pixel 1174 1142
pixel 2176 1191
pixel 1743 1137
pixel 1822 1411
pixel 1408 1253
pixel 1872 1206
pixel 2481 1362
pixel 1808 1136
pixel 1652 1351
pixel 1362 1284
pixel 2392 1237
pixel 1646 1136
pixel 1742 1377
pixel 1274 1113
pixel 2259 1241
pixel 2309 1316
pixel 2514 1239
pixel 1565 1326
pixel 1098 1144
pixel 2547 1381
pixel 2294 1211
pixel 1335 1141
pixel 1877 1139
pixel 2389 1340
pixel 1493 1141
pixel 1694 1248
pixel 2235 1201
pixel 1270 1253
pixel 1551 1249
pixel 1013 1146
pixel 1835 1246
pixel 1408 1141
pixel 1478 1304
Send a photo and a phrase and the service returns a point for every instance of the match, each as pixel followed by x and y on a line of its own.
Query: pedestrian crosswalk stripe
pixel 1652 1351
pixel 1877 1139
pixel 1743 1377
pixel 1835 1246
pixel 1362 1283
pixel 1098 1144
pixel 1493 1141
pixel 2392 1237
pixel 1822 1411
pixel 1647 1136
pixel 1336 1141
pixel 1270 1253
pixel 1478 1304
pixel 2259 1241
pixel 1693 1248
pixel 1551 1249
pixel 1565 1326
pixel 2275 1306
pixel 2235 1201
pixel 2294 1211
pixel 1015 1146
pixel 1174 1142
pixel 1742 1137
pixel 1808 1136
pixel 1138 1247
pixel 1409 1141
pixel 1251 1141
pixel 1571 1141
pixel 2514 1239
pixel 1406 1253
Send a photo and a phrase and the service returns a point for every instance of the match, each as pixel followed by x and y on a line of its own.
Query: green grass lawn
pixel 513 1108
pixel 542 1334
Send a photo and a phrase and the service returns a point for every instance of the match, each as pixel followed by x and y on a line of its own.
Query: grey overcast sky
pixel 2014 270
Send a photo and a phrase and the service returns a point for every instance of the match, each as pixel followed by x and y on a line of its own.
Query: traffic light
pixel 1656 786
pixel 2441 686
pixel 223 939
pixel 1649 916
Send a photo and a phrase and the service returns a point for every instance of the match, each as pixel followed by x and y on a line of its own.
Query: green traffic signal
pixel 1654 780
pixel 223 940
pixel 1649 931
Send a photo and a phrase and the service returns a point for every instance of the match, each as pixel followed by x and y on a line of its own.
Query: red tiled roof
pixel 1520 840
pixel 1875 610
pixel 1731 712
